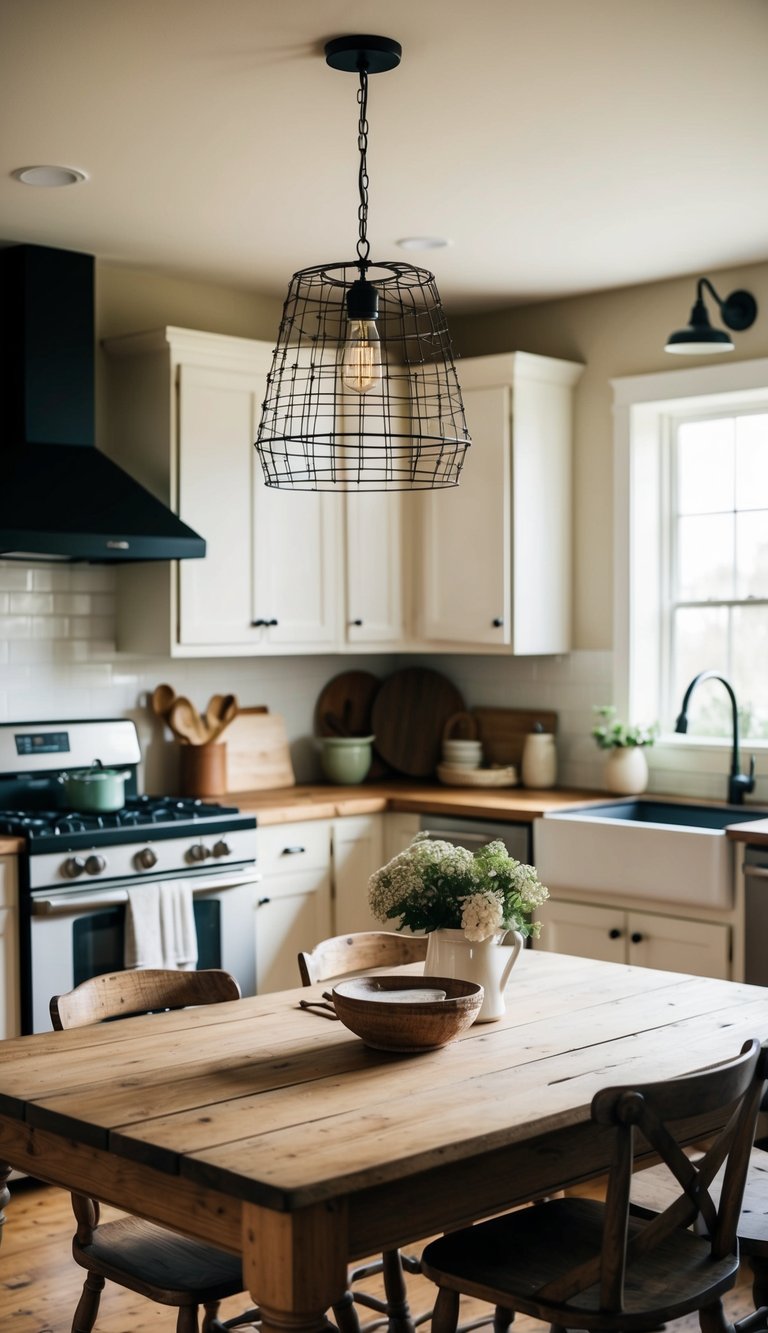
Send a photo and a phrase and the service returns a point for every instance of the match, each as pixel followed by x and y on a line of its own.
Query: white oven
pixel 77 933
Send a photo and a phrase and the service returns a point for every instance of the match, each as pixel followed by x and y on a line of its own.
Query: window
pixel 716 570
pixel 691 547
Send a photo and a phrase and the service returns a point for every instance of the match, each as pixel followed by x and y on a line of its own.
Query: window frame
pixel 644 406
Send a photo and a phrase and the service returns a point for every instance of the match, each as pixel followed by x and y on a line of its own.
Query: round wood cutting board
pixel 408 717
pixel 349 698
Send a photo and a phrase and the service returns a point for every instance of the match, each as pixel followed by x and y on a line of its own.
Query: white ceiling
pixel 562 145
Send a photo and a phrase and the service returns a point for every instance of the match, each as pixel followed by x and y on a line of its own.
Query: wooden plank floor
pixel 40 1283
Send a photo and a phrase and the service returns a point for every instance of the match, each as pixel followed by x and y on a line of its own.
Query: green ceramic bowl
pixel 346 759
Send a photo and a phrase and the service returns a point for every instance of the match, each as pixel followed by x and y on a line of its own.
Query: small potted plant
pixel 626 768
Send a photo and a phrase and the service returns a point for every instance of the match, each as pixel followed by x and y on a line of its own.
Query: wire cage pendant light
pixel 363 393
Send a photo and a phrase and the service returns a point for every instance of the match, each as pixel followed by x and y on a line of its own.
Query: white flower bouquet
pixel 433 885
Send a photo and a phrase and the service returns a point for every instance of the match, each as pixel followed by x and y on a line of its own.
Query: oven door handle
pixel 117 897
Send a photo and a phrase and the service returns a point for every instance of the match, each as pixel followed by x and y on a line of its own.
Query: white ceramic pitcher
pixel 489 962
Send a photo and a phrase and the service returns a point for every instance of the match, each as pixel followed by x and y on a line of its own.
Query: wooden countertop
pixel 322 801
pixel 755 831
pixel 11 846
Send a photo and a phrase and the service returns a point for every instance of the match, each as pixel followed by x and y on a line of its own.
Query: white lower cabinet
pixel 294 910
pixel 357 853
pixel 644 939
pixel 10 1017
pixel 399 832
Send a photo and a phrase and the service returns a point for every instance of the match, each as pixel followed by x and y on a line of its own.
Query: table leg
pixel 5 1193
pixel 295 1264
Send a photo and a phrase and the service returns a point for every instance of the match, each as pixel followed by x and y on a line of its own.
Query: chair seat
pixel 159 1263
pixel 654 1188
pixel 508 1261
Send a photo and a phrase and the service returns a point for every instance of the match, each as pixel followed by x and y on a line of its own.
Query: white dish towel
pixel 160 926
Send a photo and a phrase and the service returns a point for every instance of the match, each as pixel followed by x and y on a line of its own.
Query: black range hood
pixel 60 497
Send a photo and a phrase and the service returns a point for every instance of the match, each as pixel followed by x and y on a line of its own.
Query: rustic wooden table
pixel 269 1130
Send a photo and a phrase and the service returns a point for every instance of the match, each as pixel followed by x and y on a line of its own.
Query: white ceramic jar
pixel 539 767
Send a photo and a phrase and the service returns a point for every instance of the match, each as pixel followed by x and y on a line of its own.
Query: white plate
pixel 477 777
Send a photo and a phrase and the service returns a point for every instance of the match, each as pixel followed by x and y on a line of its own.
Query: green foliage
pixel 611 734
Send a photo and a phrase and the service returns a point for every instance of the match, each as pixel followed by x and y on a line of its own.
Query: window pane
pixel 750 678
pixel 700 643
pixel 705 550
pixel 705 463
pixel 752 461
pixel 752 555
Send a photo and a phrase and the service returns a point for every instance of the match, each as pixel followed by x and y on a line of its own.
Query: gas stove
pixel 81 871
pixel 161 835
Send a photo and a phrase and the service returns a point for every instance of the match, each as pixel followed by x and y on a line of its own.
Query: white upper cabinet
pixel 495 554
pixel 183 412
pixel 373 569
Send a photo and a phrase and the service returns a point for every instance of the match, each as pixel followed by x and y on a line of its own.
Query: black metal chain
pixel 363 244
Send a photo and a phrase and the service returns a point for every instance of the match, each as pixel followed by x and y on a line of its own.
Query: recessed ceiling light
pixel 50 177
pixel 422 242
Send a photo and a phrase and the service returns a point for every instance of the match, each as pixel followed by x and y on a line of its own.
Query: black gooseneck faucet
pixel 738 782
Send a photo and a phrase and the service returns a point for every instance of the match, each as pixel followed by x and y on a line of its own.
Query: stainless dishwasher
pixel 475 833
pixel 756 915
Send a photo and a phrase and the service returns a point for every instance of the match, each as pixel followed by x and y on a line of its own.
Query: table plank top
pixel 278 1106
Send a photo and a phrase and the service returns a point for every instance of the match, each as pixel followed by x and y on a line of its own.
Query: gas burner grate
pixel 139 811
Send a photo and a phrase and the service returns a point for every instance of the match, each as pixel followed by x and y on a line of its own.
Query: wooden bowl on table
pixel 388 1013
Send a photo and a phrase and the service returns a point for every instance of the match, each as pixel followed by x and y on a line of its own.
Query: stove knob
pixel 73 866
pixel 145 859
pixel 95 864
pixel 222 848
pixel 198 852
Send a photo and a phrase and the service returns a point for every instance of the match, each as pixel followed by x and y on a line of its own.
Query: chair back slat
pixel 123 994
pixel 734 1088
pixel 342 955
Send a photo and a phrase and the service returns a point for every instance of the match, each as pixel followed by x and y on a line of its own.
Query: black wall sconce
pixel 737 311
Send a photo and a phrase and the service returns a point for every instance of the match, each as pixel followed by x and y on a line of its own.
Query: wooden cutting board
pixel 258 756
pixel 503 731
pixel 348 697
pixel 408 717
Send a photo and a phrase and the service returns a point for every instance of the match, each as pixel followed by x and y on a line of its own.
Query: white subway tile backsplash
pixel 31 603
pixel 75 604
pixel 14 578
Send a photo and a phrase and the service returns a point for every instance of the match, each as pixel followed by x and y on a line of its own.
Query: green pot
pixel 346 759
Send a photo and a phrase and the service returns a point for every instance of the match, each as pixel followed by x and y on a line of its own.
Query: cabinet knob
pixel 497 622
pixel 636 937
pixel 357 623
pixel 615 934
pixel 258 624
pixel 270 623
pixel 263 902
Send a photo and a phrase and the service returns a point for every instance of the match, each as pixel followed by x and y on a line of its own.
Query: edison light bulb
pixel 361 361
pixel 361 365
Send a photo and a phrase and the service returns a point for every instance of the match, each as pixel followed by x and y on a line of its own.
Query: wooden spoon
pixel 162 700
pixel 186 723
pixel 227 711
pixel 213 710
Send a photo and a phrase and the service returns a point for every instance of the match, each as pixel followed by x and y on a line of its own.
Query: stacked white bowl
pixel 462 754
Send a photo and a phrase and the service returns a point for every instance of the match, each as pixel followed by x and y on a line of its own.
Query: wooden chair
pixel 578 1263
pixel 145 1258
pixel 340 956
pixel 651 1190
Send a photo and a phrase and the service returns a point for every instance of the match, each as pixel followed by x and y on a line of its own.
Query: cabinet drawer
pixel 8 881
pixel 288 848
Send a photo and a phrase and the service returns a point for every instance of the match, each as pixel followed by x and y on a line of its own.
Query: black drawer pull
pixel 636 937
pixel 357 623
pixel 270 623
pixel 293 851
pixel 497 622
pixel 258 624
pixel 263 902
pixel 615 934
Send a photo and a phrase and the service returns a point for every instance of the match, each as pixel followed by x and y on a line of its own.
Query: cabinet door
pixel 374 595
pixel 294 913
pixel 297 542
pixel 673 945
pixel 10 1019
pixel 465 535
pixel 217 465
pixel 399 832
pixel 584 930
pixel 357 853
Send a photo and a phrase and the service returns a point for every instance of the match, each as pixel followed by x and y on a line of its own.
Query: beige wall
pixel 614 333
pixel 132 300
